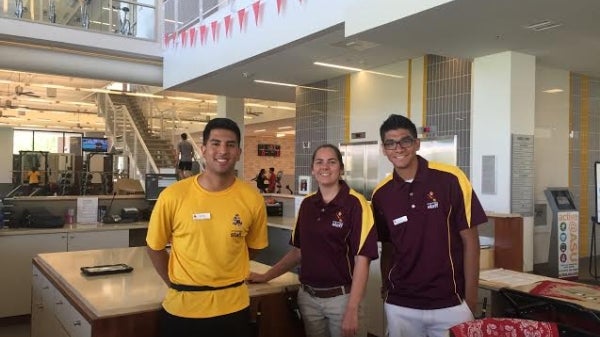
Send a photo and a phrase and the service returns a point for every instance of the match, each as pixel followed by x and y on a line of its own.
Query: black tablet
pixel 106 269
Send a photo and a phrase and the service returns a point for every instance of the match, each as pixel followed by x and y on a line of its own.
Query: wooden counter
pixel 128 304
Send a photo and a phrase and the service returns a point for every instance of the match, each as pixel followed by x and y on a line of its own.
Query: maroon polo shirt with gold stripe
pixel 331 234
pixel 423 220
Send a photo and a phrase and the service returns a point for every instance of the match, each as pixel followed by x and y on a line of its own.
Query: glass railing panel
pixel 136 19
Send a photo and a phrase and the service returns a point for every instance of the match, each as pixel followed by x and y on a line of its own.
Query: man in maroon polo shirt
pixel 426 215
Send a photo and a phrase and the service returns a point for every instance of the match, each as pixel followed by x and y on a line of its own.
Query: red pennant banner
pixel 183 37
pixel 173 39
pixel 279 4
pixel 214 26
pixel 256 10
pixel 241 16
pixel 192 33
pixel 166 40
pixel 228 24
pixel 203 33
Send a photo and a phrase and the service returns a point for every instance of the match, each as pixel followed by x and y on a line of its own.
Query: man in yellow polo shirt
pixel 214 221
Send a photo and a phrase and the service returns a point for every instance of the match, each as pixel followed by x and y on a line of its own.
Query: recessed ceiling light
pixel 284 127
pixel 553 91
pixel 260 130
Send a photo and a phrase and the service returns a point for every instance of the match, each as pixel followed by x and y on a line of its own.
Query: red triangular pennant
pixel 214 26
pixel 241 15
pixel 256 10
pixel 228 23
pixel 203 33
pixel 173 39
pixel 279 4
pixel 192 34
pixel 166 40
pixel 183 37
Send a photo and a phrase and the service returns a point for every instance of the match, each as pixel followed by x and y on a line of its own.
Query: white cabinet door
pixel 98 240
pixel 16 253
pixel 43 320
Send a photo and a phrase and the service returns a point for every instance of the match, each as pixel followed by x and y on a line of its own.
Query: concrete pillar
pixel 503 104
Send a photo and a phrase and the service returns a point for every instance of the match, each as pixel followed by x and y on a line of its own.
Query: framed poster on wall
pixel 304 183
pixel 269 150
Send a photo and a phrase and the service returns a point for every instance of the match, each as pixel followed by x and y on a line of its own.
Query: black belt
pixel 327 292
pixel 184 287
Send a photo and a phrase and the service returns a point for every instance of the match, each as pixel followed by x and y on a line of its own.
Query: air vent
pixel 543 25
pixel 358 45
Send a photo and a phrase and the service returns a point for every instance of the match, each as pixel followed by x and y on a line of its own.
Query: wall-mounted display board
pixel 269 150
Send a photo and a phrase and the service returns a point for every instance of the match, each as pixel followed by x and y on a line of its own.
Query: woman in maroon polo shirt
pixel 333 241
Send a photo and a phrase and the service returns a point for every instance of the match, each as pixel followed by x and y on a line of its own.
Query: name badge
pixel 400 220
pixel 201 216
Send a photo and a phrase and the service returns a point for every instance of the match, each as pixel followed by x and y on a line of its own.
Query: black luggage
pixel 41 218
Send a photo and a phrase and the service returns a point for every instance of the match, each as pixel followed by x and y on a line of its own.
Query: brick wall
pixel 286 162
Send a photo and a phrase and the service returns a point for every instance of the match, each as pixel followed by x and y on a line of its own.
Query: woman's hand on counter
pixel 257 278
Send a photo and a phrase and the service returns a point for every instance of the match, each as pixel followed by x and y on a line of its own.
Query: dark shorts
pixel 185 165
pixel 236 324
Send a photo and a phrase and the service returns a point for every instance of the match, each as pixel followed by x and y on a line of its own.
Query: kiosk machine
pixel 563 258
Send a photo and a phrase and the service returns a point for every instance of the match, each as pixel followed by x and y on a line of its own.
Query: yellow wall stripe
pixel 584 211
pixel 424 112
pixel 347 109
pixel 409 89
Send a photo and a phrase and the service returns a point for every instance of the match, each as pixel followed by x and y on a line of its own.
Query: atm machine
pixel 563 258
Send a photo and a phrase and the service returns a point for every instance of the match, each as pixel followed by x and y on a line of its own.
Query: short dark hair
pixel 221 123
pixel 184 136
pixel 394 122
pixel 272 169
pixel 335 149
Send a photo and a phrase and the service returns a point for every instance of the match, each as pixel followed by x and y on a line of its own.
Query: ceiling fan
pixel 20 91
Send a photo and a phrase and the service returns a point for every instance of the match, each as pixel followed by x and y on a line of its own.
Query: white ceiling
pixel 461 28
pixel 31 100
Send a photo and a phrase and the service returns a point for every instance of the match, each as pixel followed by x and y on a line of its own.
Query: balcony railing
pixel 135 19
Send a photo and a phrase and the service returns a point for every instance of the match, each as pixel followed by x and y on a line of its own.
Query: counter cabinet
pixel 65 303
pixel 18 250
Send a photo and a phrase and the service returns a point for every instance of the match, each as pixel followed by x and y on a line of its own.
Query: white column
pixel 233 108
pixel 503 103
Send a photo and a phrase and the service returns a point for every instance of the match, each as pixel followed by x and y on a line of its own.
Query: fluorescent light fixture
pixel 100 23
pixel 280 107
pixel 43 119
pixel 284 127
pixel 553 91
pixel 337 66
pixel 543 25
pixel 255 105
pixel 330 65
pixel 143 94
pixel 260 130
pixel 279 134
pixel 189 99
pixel 292 85
pixel 78 103
pixel 248 117
pixel 277 83
pixel 209 113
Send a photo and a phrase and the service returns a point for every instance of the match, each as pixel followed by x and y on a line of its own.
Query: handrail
pixel 107 107
pixel 62 14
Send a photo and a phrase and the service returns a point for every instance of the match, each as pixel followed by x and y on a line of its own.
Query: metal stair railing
pixel 120 125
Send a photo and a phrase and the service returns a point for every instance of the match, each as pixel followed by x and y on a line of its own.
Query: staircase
pixel 161 150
